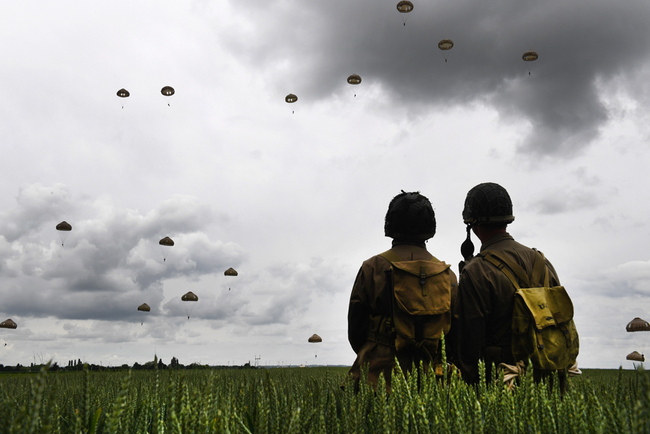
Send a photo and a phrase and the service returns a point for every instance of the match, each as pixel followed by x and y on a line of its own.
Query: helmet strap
pixel 467 248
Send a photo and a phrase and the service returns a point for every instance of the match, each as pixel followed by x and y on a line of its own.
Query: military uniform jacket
pixel 483 325
pixel 369 302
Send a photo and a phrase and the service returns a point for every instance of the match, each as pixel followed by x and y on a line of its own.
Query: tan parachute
pixel 638 325
pixel 315 339
pixel 167 91
pixel 164 243
pixel 64 227
pixel 635 356
pixel 144 307
pixel 230 272
pixel 190 296
pixel 354 80
pixel 530 56
pixel 404 7
pixel 8 324
pixel 290 99
pixel 445 45
pixel 123 93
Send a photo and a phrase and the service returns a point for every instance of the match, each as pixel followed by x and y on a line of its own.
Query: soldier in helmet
pixel 410 222
pixel 486 296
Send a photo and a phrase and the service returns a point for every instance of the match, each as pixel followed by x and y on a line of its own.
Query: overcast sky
pixel 294 196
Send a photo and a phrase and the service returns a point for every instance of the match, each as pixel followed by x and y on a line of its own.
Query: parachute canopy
pixel 230 272
pixel 144 307
pixel 8 324
pixel 166 242
pixel 291 98
pixel 167 91
pixel 190 296
pixel 315 338
pixel 354 79
pixel 64 226
pixel 405 6
pixel 638 325
pixel 446 44
pixel 123 93
pixel 636 356
pixel 529 56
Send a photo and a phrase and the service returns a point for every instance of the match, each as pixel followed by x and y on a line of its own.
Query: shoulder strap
pixel 511 269
pixel 540 268
pixel 391 256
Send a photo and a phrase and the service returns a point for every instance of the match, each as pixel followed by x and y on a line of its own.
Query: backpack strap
pixel 391 256
pixel 511 269
pixel 508 267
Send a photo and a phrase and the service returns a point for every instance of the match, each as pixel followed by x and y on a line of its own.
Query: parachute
pixel 530 56
pixel 354 79
pixel 8 324
pixel 123 93
pixel 144 307
pixel 315 339
pixel 167 91
pixel 638 325
pixel 404 7
pixel 64 227
pixel 290 99
pixel 167 242
pixel 190 296
pixel 635 356
pixel 230 272
pixel 445 45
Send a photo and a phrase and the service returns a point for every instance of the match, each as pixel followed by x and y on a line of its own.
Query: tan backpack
pixel 421 308
pixel 542 321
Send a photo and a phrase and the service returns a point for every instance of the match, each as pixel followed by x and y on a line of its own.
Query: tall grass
pixel 311 400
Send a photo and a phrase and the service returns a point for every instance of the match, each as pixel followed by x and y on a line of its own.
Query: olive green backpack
pixel 542 321
pixel 421 308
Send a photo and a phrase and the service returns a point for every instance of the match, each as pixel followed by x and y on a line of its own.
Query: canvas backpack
pixel 421 305
pixel 543 330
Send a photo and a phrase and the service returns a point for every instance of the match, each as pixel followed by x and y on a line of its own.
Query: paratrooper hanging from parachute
pixel 189 297
pixel 144 307
pixel 165 243
pixel 230 272
pixel 64 228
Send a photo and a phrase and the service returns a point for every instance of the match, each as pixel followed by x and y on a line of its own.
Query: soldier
pixel 376 325
pixel 483 330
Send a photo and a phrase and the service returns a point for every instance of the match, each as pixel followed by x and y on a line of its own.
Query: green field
pixel 310 400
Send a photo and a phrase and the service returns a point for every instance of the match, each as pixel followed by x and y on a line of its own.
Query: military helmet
pixel 488 203
pixel 410 216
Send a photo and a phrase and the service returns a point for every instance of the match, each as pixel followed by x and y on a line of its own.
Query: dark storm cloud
pixel 311 48
pixel 111 261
